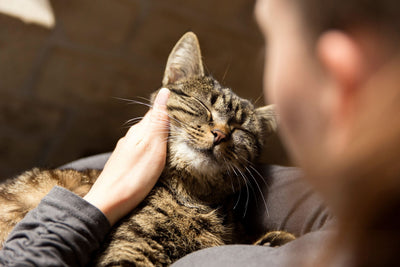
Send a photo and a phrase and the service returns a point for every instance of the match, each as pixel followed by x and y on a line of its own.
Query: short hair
pixel 322 15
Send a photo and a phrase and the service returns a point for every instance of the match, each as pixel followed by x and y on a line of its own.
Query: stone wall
pixel 59 88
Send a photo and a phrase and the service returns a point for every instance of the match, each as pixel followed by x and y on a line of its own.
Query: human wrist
pixel 117 201
pixel 107 208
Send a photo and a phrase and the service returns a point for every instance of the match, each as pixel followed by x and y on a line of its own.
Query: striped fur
pixel 23 193
pixel 214 136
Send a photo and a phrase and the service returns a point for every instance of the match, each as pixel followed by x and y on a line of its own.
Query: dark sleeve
pixel 64 230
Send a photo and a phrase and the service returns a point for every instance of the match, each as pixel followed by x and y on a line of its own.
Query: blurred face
pixel 292 79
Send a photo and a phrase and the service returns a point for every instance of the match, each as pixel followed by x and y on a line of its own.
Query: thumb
pixel 159 114
pixel 161 99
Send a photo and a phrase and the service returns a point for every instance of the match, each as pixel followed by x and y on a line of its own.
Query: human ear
pixel 345 68
pixel 342 58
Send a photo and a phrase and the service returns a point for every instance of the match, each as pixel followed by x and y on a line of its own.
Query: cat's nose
pixel 219 136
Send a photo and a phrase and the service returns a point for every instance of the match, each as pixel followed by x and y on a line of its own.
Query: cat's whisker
pixel 162 128
pixel 231 167
pixel 170 138
pixel 259 175
pixel 134 121
pixel 240 194
pixel 229 174
pixel 247 190
pixel 166 140
pixel 258 98
pixel 227 164
pixel 122 99
pixel 247 199
pixel 161 132
pixel 259 189
pixel 164 120
pixel 226 71
pixel 179 121
pixel 144 98
pixel 238 200
pixel 250 165
pixel 244 176
pixel 131 101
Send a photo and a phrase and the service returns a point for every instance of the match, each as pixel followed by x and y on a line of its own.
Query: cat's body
pixel 177 227
pixel 214 137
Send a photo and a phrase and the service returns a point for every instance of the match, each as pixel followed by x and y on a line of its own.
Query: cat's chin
pixel 200 160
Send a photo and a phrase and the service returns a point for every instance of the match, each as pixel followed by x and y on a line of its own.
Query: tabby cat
pixel 214 136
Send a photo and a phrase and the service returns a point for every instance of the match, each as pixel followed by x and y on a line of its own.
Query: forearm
pixel 64 230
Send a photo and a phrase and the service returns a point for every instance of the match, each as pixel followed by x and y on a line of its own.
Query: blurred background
pixel 64 64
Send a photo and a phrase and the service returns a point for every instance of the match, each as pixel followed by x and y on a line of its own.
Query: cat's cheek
pixel 219 153
pixel 238 138
pixel 245 146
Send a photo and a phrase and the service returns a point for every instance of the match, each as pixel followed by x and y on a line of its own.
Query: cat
pixel 214 136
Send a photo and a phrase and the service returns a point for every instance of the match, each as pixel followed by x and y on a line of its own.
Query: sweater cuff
pixel 77 207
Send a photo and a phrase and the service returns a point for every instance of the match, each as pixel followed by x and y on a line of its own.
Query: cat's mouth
pixel 214 156
pixel 208 152
pixel 213 153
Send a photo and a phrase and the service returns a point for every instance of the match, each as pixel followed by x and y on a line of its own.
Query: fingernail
pixel 162 97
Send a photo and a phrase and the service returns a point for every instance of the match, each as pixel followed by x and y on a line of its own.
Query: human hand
pixel 135 165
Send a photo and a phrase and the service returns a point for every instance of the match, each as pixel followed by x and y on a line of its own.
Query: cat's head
pixel 213 132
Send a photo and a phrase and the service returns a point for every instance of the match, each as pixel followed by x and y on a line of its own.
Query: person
pixel 332 69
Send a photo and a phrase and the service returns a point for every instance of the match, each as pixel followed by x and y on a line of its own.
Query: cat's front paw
pixel 275 239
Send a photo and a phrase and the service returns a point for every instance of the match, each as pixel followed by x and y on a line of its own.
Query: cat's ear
pixel 184 61
pixel 273 150
pixel 268 117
